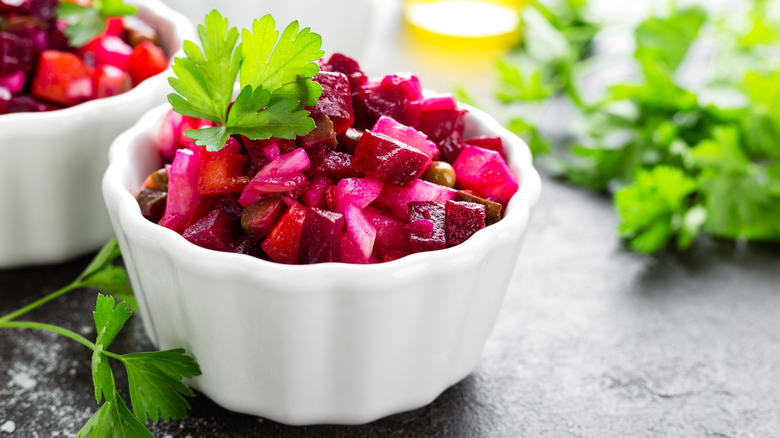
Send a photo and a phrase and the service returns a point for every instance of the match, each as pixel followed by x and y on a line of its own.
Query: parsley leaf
pixel 109 320
pixel 293 57
pixel 156 386
pixel 656 207
pixel 87 22
pixel 275 78
pixel 113 419
pixel 204 79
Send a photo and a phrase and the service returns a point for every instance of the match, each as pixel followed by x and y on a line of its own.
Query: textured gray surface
pixel 592 341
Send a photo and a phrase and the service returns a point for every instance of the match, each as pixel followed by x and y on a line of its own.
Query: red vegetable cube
pixel 486 173
pixel 215 231
pixel 463 219
pixel 283 242
pixel 388 160
pixel 107 50
pixel 395 200
pixel 487 142
pixel 335 101
pixel 396 96
pixel 427 226
pixel 321 237
pixel 62 78
pixel 146 61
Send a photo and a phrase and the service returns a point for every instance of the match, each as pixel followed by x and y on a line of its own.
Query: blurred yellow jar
pixel 488 24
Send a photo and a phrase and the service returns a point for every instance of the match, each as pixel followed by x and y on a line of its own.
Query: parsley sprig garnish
pixel 87 22
pixel 275 77
pixel 155 378
pixel 683 157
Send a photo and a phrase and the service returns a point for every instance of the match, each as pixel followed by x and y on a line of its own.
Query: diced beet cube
pixel 392 236
pixel 341 63
pixel 388 160
pixel 427 226
pixel 314 195
pixel 450 147
pixel 463 219
pixel 486 173
pixel 327 163
pixel 260 217
pixel 438 124
pixel 438 103
pixel 221 174
pixel 356 191
pixel 335 101
pixel 146 61
pixel 110 81
pixel 107 50
pixel 487 142
pixel 344 64
pixel 321 237
pixel 229 204
pixel 492 209
pixel 183 194
pixel 215 231
pixel 283 242
pixel 257 149
pixel 62 78
pixel 247 247
pixel 395 96
pixel 406 135
pixel 395 200
pixel 322 134
pixel 17 53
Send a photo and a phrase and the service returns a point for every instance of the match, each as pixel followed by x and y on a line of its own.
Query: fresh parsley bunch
pixel 275 77
pixel 154 378
pixel 680 159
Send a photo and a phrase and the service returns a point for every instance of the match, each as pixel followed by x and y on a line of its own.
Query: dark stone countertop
pixel 592 341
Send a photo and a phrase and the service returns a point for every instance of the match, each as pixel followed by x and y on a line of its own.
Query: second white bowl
pixel 51 208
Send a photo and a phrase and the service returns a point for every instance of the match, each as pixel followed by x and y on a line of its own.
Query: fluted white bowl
pixel 325 343
pixel 51 208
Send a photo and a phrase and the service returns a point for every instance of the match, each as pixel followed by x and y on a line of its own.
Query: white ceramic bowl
pixel 326 343
pixel 51 208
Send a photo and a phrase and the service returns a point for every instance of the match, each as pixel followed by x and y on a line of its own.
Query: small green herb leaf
pixel 273 64
pixel 114 419
pixel 156 388
pixel 109 320
pixel 205 79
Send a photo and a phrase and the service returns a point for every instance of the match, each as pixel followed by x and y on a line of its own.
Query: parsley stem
pixel 40 302
pixel 57 329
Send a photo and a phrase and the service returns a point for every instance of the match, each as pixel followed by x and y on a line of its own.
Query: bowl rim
pixel 181 28
pixel 128 213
